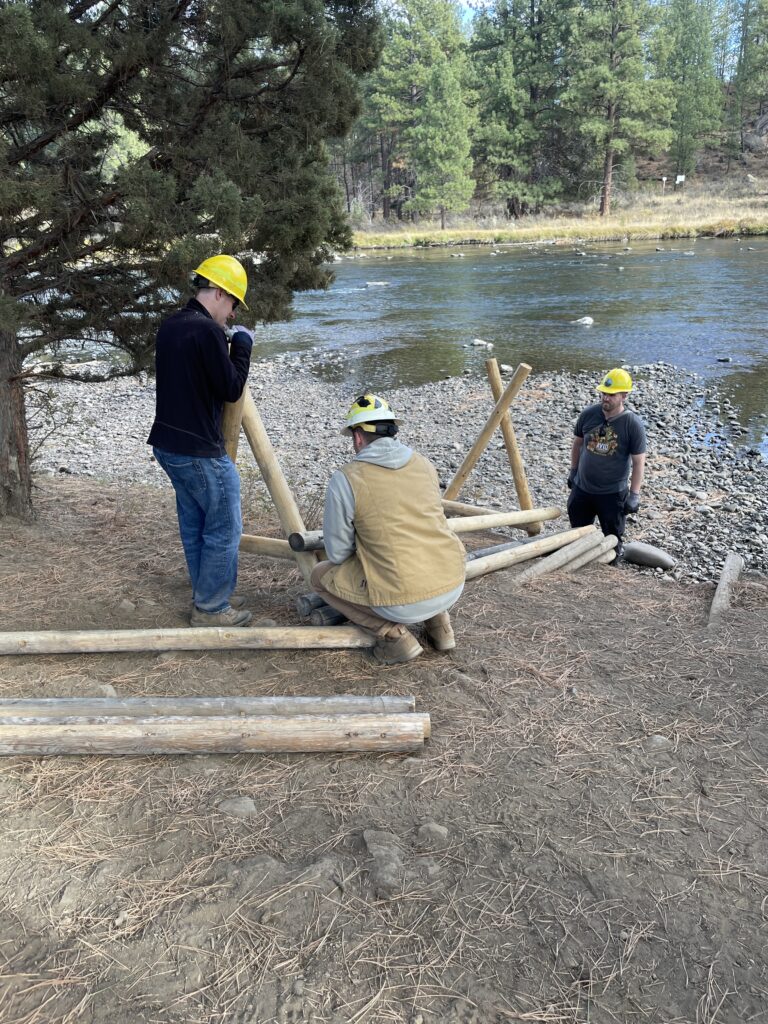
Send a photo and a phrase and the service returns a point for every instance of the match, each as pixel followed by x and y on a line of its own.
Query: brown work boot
pixel 440 632
pixel 226 617
pixel 395 645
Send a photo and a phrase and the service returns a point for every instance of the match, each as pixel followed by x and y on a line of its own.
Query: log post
pixel 146 707
pixel 212 735
pixel 461 508
pixel 471 524
pixel 271 547
pixel 588 543
pixel 231 422
pixel 516 463
pixel 101 641
pixel 604 552
pixel 277 485
pixel 524 552
pixel 721 601
pixel 488 431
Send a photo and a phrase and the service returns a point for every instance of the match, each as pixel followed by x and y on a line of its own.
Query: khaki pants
pixel 360 614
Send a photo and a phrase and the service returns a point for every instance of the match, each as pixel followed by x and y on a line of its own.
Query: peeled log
pixel 272 474
pixel 540 546
pixel 493 520
pixel 604 552
pixel 272 547
pixel 213 735
pixel 477 449
pixel 144 707
pixel 101 641
pixel 461 508
pixel 510 443
pixel 721 601
pixel 561 557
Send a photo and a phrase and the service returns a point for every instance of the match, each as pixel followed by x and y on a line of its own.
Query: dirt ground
pixel 584 837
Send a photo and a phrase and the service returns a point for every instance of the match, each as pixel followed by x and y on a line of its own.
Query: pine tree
pixel 227 107
pixel 687 59
pixel 417 106
pixel 617 105
pixel 518 74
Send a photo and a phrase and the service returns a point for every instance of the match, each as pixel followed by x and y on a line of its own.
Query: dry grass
pixel 724 210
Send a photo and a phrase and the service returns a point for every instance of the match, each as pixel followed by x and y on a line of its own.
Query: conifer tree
pixel 617 105
pixel 518 73
pixel 687 59
pixel 228 106
pixel 418 106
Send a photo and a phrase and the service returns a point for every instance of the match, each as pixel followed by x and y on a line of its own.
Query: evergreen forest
pixel 525 104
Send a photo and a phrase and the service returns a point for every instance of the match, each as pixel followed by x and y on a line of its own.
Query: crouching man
pixel 393 559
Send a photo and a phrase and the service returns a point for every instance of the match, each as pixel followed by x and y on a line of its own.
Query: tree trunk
pixel 15 478
pixel 605 195
pixel 386 179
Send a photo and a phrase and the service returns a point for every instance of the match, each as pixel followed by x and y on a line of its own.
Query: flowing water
pixel 412 317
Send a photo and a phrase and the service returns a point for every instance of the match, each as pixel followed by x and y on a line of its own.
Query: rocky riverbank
pixel 705 493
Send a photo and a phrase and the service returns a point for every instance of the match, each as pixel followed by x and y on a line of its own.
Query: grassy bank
pixel 674 215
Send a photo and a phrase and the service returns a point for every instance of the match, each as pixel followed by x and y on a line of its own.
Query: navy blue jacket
pixel 196 375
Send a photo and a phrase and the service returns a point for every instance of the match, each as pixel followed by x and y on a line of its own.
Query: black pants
pixel 609 509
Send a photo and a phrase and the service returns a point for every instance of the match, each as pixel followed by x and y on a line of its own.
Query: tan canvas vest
pixel 405 550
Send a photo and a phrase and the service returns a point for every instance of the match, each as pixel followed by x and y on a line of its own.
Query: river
pixel 411 317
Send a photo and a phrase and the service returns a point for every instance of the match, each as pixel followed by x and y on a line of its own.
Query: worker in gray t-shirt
pixel 607 460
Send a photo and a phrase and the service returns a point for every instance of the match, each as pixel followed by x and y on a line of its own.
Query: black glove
pixel 571 479
pixel 243 336
pixel 632 502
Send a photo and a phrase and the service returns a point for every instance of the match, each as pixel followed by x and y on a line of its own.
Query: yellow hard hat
pixel 366 411
pixel 615 381
pixel 227 273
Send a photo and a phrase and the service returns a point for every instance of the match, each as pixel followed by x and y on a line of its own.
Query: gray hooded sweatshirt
pixel 339 528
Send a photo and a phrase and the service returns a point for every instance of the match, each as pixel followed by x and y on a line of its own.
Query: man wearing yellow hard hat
pixel 199 368
pixel 393 561
pixel 607 459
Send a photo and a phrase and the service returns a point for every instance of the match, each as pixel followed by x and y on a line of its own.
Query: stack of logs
pixel 210 725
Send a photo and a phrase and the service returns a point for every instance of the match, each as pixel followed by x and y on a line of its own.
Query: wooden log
pixel 606 558
pixel 272 547
pixel 277 485
pixel 212 735
pixel 313 540
pixel 488 431
pixel 493 549
pixel 471 524
pixel 231 424
pixel 516 463
pixel 563 555
pixel 306 602
pixel 524 552
pixel 186 707
pixel 461 508
pixel 604 552
pixel 721 602
pixel 310 540
pixel 100 641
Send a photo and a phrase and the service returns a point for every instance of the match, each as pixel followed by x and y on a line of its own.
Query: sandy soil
pixel 584 837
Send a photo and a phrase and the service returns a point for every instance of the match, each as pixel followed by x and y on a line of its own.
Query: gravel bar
pixel 705 492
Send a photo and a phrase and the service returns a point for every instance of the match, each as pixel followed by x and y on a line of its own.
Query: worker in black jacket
pixel 198 370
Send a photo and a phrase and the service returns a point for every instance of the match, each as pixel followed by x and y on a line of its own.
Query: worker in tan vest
pixel 393 559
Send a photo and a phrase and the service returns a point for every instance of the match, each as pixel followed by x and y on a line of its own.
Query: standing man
pixel 608 445
pixel 197 372
pixel 393 558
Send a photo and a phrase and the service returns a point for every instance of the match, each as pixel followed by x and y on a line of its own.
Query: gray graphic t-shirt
pixel 605 463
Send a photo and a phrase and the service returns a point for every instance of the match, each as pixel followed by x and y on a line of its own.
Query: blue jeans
pixel 210 523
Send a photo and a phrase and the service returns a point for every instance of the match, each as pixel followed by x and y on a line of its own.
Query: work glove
pixel 243 335
pixel 571 479
pixel 632 502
